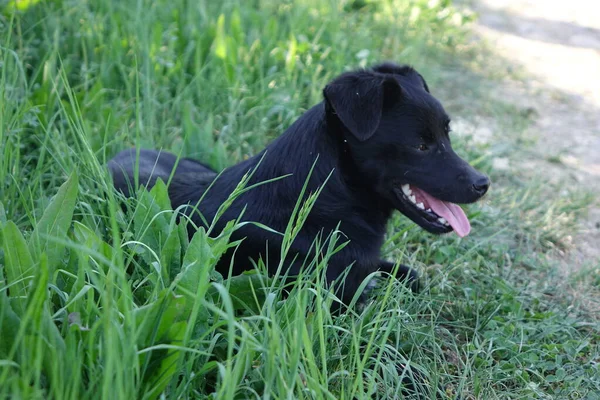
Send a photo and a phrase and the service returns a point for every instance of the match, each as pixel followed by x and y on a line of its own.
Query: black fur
pixel 366 134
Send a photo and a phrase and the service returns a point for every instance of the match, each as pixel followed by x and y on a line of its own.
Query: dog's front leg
pixel 347 287
pixel 403 273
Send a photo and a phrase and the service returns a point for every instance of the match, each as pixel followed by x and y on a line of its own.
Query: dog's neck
pixel 318 138
pixel 346 163
pixel 336 129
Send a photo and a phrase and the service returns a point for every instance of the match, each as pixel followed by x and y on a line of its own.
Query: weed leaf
pixel 18 264
pixel 55 222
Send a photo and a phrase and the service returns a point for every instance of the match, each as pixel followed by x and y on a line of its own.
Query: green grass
pixel 100 302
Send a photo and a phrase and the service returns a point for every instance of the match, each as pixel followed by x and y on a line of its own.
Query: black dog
pixel 383 138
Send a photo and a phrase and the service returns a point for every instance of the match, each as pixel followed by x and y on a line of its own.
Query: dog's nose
pixel 482 185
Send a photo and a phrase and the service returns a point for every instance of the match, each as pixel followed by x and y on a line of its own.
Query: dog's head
pixel 397 134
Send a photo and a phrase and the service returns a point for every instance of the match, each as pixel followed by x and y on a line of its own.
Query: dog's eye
pixel 423 147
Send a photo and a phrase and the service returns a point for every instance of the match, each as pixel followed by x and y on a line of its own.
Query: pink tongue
pixel 449 211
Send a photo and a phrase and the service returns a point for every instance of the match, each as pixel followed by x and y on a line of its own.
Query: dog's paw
pixel 404 273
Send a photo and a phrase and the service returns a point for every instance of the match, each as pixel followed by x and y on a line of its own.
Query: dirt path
pixel 557 43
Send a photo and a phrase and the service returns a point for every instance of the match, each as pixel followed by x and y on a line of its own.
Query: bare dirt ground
pixel 557 45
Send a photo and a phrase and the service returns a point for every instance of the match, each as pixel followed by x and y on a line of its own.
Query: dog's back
pixel 152 165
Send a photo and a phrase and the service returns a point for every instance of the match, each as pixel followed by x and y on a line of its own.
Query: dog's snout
pixel 481 185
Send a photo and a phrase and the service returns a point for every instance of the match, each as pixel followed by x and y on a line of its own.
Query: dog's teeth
pixel 413 199
pixel 406 189
pixel 429 210
pixel 421 206
pixel 443 221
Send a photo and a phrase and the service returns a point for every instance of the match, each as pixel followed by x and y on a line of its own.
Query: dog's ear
pixel 402 70
pixel 424 83
pixel 358 101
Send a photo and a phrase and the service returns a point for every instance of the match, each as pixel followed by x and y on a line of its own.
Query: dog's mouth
pixel 433 214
